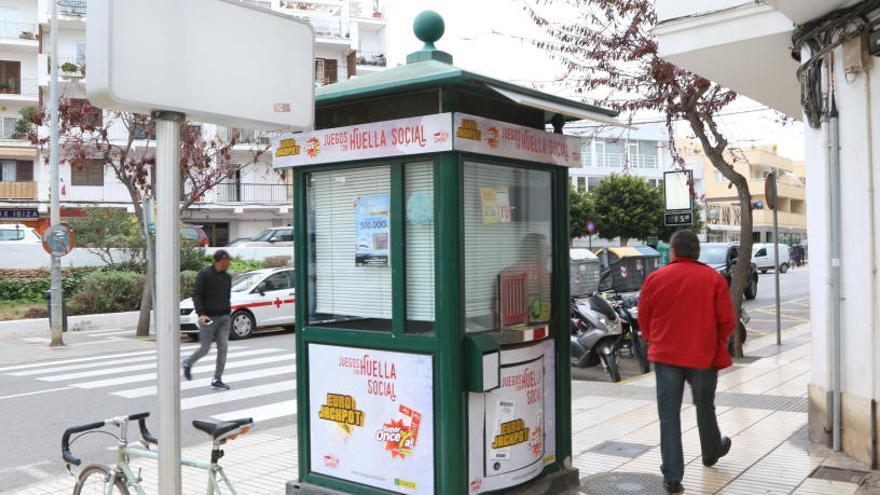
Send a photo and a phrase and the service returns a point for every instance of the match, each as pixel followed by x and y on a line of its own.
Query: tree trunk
pixel 624 241
pixel 143 328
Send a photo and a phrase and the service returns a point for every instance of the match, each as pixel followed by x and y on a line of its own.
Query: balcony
pixel 368 62
pixel 72 8
pixel 109 192
pixel 784 189
pixel 236 192
pixel 19 90
pixel 621 160
pixel 788 220
pixel 19 36
pixel 18 191
pixel 9 128
pixel 326 18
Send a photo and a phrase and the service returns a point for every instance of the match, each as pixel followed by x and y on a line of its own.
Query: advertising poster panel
pixel 372 229
pixel 371 417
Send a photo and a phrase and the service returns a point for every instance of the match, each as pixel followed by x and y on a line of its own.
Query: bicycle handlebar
pixel 68 456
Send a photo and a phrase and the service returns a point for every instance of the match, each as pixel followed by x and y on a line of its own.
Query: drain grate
pixel 623 484
pixel 762 401
pixel 838 474
pixel 621 449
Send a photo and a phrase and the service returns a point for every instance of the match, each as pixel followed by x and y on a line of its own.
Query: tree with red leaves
pixel 609 48
pixel 123 141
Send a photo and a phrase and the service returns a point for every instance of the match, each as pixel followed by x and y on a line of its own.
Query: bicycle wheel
pixel 92 480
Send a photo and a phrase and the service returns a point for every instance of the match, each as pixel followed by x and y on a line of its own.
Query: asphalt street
pixel 38 401
pixel 794 288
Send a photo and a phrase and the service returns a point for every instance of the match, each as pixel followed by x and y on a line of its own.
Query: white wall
pixel 671 9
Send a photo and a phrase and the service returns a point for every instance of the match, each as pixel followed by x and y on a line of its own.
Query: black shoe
pixel 673 487
pixel 187 371
pixel 218 384
pixel 724 449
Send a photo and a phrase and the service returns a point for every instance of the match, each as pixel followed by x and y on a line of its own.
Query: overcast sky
pixel 470 37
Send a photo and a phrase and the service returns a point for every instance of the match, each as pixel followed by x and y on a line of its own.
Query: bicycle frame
pixel 132 481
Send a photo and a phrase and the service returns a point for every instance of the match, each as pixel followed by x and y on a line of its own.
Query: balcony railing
pixel 8 128
pixel 69 66
pixel 108 192
pixel 621 160
pixel 374 59
pixel 75 8
pixel 236 192
pixel 22 87
pixel 20 191
pixel 18 31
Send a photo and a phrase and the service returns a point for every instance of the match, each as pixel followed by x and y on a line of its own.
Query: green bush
pixel 32 289
pixel 187 279
pixel 240 266
pixel 193 258
pixel 108 292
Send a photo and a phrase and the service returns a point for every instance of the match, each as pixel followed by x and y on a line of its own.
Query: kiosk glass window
pixel 419 229
pixel 349 231
pixel 508 258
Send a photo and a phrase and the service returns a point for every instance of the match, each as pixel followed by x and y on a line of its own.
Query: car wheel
pixel 243 325
pixel 752 290
pixel 763 271
pixel 783 268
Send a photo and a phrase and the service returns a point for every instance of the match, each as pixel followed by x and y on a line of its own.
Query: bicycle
pixel 116 480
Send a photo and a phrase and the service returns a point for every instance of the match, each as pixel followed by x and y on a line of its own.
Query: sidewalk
pixel 761 406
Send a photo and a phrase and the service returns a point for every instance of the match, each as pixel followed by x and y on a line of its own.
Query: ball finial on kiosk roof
pixel 429 27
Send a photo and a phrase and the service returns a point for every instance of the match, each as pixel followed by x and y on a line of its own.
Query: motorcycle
pixel 596 331
pixel 744 318
pixel 632 339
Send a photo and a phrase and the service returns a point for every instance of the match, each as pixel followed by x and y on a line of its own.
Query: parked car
pixel 260 299
pixel 723 257
pixel 239 241
pixel 18 234
pixel 764 257
pixel 276 236
pixel 194 234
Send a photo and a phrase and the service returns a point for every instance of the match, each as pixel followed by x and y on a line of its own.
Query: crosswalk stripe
pixel 76 360
pixel 240 394
pixel 261 413
pixel 145 377
pixel 139 367
pixel 81 366
pixel 233 379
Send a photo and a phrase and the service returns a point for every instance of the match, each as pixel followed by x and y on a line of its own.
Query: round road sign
pixel 591 227
pixel 58 240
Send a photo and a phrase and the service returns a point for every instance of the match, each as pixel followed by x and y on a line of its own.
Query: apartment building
pixel 350 40
pixel 723 209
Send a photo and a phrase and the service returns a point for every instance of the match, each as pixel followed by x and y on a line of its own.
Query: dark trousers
pixel 217 331
pixel 670 390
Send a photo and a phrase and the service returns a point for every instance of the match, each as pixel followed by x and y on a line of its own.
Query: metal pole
pixel 776 272
pixel 834 130
pixel 54 182
pixel 167 302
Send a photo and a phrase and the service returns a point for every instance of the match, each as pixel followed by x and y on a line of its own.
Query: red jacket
pixel 687 316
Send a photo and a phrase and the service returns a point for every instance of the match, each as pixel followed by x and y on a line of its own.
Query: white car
pixel 260 299
pixel 16 233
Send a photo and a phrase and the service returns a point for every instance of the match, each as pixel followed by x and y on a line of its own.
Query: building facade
pixel 350 39
pixel 748 47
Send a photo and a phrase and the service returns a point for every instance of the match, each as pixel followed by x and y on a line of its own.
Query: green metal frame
pixel 446 342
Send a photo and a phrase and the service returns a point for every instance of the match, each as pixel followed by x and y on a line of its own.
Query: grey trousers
pixel 218 331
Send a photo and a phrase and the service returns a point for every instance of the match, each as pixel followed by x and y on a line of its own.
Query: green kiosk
pixel 431 248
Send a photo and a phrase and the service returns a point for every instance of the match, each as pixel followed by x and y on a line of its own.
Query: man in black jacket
pixel 210 296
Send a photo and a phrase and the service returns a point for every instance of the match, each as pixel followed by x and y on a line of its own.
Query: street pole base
pixel 563 482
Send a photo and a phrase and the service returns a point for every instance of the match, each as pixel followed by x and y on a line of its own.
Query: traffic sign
pixel 679 218
pixel 590 227
pixel 58 240
pixel 770 190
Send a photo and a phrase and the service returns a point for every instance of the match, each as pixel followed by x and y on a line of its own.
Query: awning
pixel 560 108
pixel 15 152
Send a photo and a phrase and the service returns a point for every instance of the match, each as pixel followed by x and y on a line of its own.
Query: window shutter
pixel 24 171
pixel 419 179
pixel 331 73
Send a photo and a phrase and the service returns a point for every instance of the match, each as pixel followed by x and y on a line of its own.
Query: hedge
pixel 33 289
pixel 108 292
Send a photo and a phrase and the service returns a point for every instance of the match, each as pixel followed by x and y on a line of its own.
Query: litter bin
pixel 48 296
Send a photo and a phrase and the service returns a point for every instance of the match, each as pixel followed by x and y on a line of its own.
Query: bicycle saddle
pixel 219 428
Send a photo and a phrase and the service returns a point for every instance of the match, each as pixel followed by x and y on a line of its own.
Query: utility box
pixel 432 267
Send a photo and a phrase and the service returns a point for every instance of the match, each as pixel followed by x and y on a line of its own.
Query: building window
pixel 507 238
pixel 326 70
pixel 419 238
pixel 582 184
pixel 7 171
pixel 10 77
pixel 593 182
pixel 91 174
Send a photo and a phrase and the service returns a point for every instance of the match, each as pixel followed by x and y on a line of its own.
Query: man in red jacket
pixel 687 316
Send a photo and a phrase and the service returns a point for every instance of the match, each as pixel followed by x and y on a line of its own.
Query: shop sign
pixel 371 417
pixel 19 214
pixel 492 137
pixel 411 136
pixel 372 228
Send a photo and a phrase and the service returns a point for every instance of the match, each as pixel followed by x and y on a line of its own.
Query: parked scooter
pixel 595 333
pixel 744 318
pixel 627 311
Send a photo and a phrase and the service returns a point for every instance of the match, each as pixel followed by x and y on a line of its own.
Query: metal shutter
pixel 419 178
pixel 341 287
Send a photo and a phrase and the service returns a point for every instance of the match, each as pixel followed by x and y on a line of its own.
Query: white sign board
pixel 493 137
pixel 514 426
pixel 218 61
pixel 676 187
pixel 371 417
pixel 411 136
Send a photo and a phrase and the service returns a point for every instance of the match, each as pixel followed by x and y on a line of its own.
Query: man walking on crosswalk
pixel 210 295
